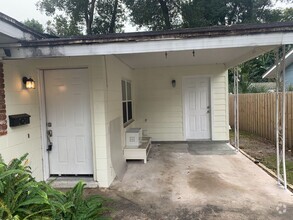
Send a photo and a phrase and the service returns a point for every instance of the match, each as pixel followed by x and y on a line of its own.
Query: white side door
pixel 68 119
pixel 196 95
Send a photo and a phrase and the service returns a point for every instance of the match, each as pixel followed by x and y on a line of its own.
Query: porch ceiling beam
pixel 272 39
pixel 248 56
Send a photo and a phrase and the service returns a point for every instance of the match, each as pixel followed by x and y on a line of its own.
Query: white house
pixel 172 84
pixel 271 73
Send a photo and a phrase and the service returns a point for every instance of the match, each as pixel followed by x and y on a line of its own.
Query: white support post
pixel 280 116
pixel 236 109
pixel 277 115
pixel 284 118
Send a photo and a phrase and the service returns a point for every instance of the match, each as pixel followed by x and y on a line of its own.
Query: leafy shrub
pixel 22 197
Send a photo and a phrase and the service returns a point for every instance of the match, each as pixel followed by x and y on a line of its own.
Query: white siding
pixel 116 71
pixel 220 108
pixel 20 100
pixel 159 106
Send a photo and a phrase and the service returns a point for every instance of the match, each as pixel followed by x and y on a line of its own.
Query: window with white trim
pixel 126 101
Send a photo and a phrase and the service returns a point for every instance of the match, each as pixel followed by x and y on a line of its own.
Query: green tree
pixel 287 15
pixel 110 17
pixel 247 11
pixel 197 13
pixel 89 14
pixel 35 25
pixel 155 14
pixel 61 26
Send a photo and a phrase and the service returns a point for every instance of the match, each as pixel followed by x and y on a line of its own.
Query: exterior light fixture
pixel 29 83
pixel 173 83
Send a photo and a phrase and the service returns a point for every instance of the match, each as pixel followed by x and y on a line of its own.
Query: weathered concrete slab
pixel 176 184
pixel 210 148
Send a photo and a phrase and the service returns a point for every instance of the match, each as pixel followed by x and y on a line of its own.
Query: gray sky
pixel 26 9
pixel 22 10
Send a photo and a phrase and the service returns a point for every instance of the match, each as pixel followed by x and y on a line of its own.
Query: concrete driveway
pixel 198 181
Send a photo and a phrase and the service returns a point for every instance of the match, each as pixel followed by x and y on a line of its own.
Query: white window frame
pixel 127 100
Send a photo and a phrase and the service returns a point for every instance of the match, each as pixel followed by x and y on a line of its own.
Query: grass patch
pixel 264 151
pixel 271 162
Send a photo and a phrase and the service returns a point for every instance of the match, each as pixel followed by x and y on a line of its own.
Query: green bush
pixel 22 197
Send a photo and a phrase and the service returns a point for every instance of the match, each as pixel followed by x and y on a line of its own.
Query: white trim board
pixel 273 39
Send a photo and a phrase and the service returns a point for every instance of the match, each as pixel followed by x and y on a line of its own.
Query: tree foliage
pixel 196 13
pixel 35 25
pixel 103 16
pixel 71 17
pixel 154 14
pixel 63 27
pixel 110 17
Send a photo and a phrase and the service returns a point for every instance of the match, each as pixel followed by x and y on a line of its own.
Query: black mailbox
pixel 17 120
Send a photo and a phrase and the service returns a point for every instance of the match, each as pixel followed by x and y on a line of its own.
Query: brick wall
pixel 3 121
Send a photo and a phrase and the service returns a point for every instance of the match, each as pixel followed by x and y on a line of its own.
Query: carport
pixel 152 61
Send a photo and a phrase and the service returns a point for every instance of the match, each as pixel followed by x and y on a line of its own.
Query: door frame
pixel 43 118
pixel 211 104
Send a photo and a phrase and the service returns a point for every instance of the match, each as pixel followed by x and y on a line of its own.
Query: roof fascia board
pixel 272 39
pixel 14 32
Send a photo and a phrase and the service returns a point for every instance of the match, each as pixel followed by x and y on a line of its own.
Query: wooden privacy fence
pixel 257 115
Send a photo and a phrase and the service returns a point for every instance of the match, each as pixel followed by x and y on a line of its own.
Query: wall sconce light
pixel 29 83
pixel 173 83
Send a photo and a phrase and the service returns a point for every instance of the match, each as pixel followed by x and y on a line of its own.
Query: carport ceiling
pixel 226 56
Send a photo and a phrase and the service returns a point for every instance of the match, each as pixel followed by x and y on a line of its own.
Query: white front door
pixel 68 121
pixel 196 93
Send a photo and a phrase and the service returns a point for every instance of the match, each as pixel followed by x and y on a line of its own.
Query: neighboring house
pixel 271 73
pixel 172 84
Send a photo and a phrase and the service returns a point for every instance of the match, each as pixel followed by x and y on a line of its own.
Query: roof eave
pixel 18 25
pixel 207 32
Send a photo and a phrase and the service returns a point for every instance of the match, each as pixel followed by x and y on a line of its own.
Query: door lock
pixel 50 144
pixel 50 133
